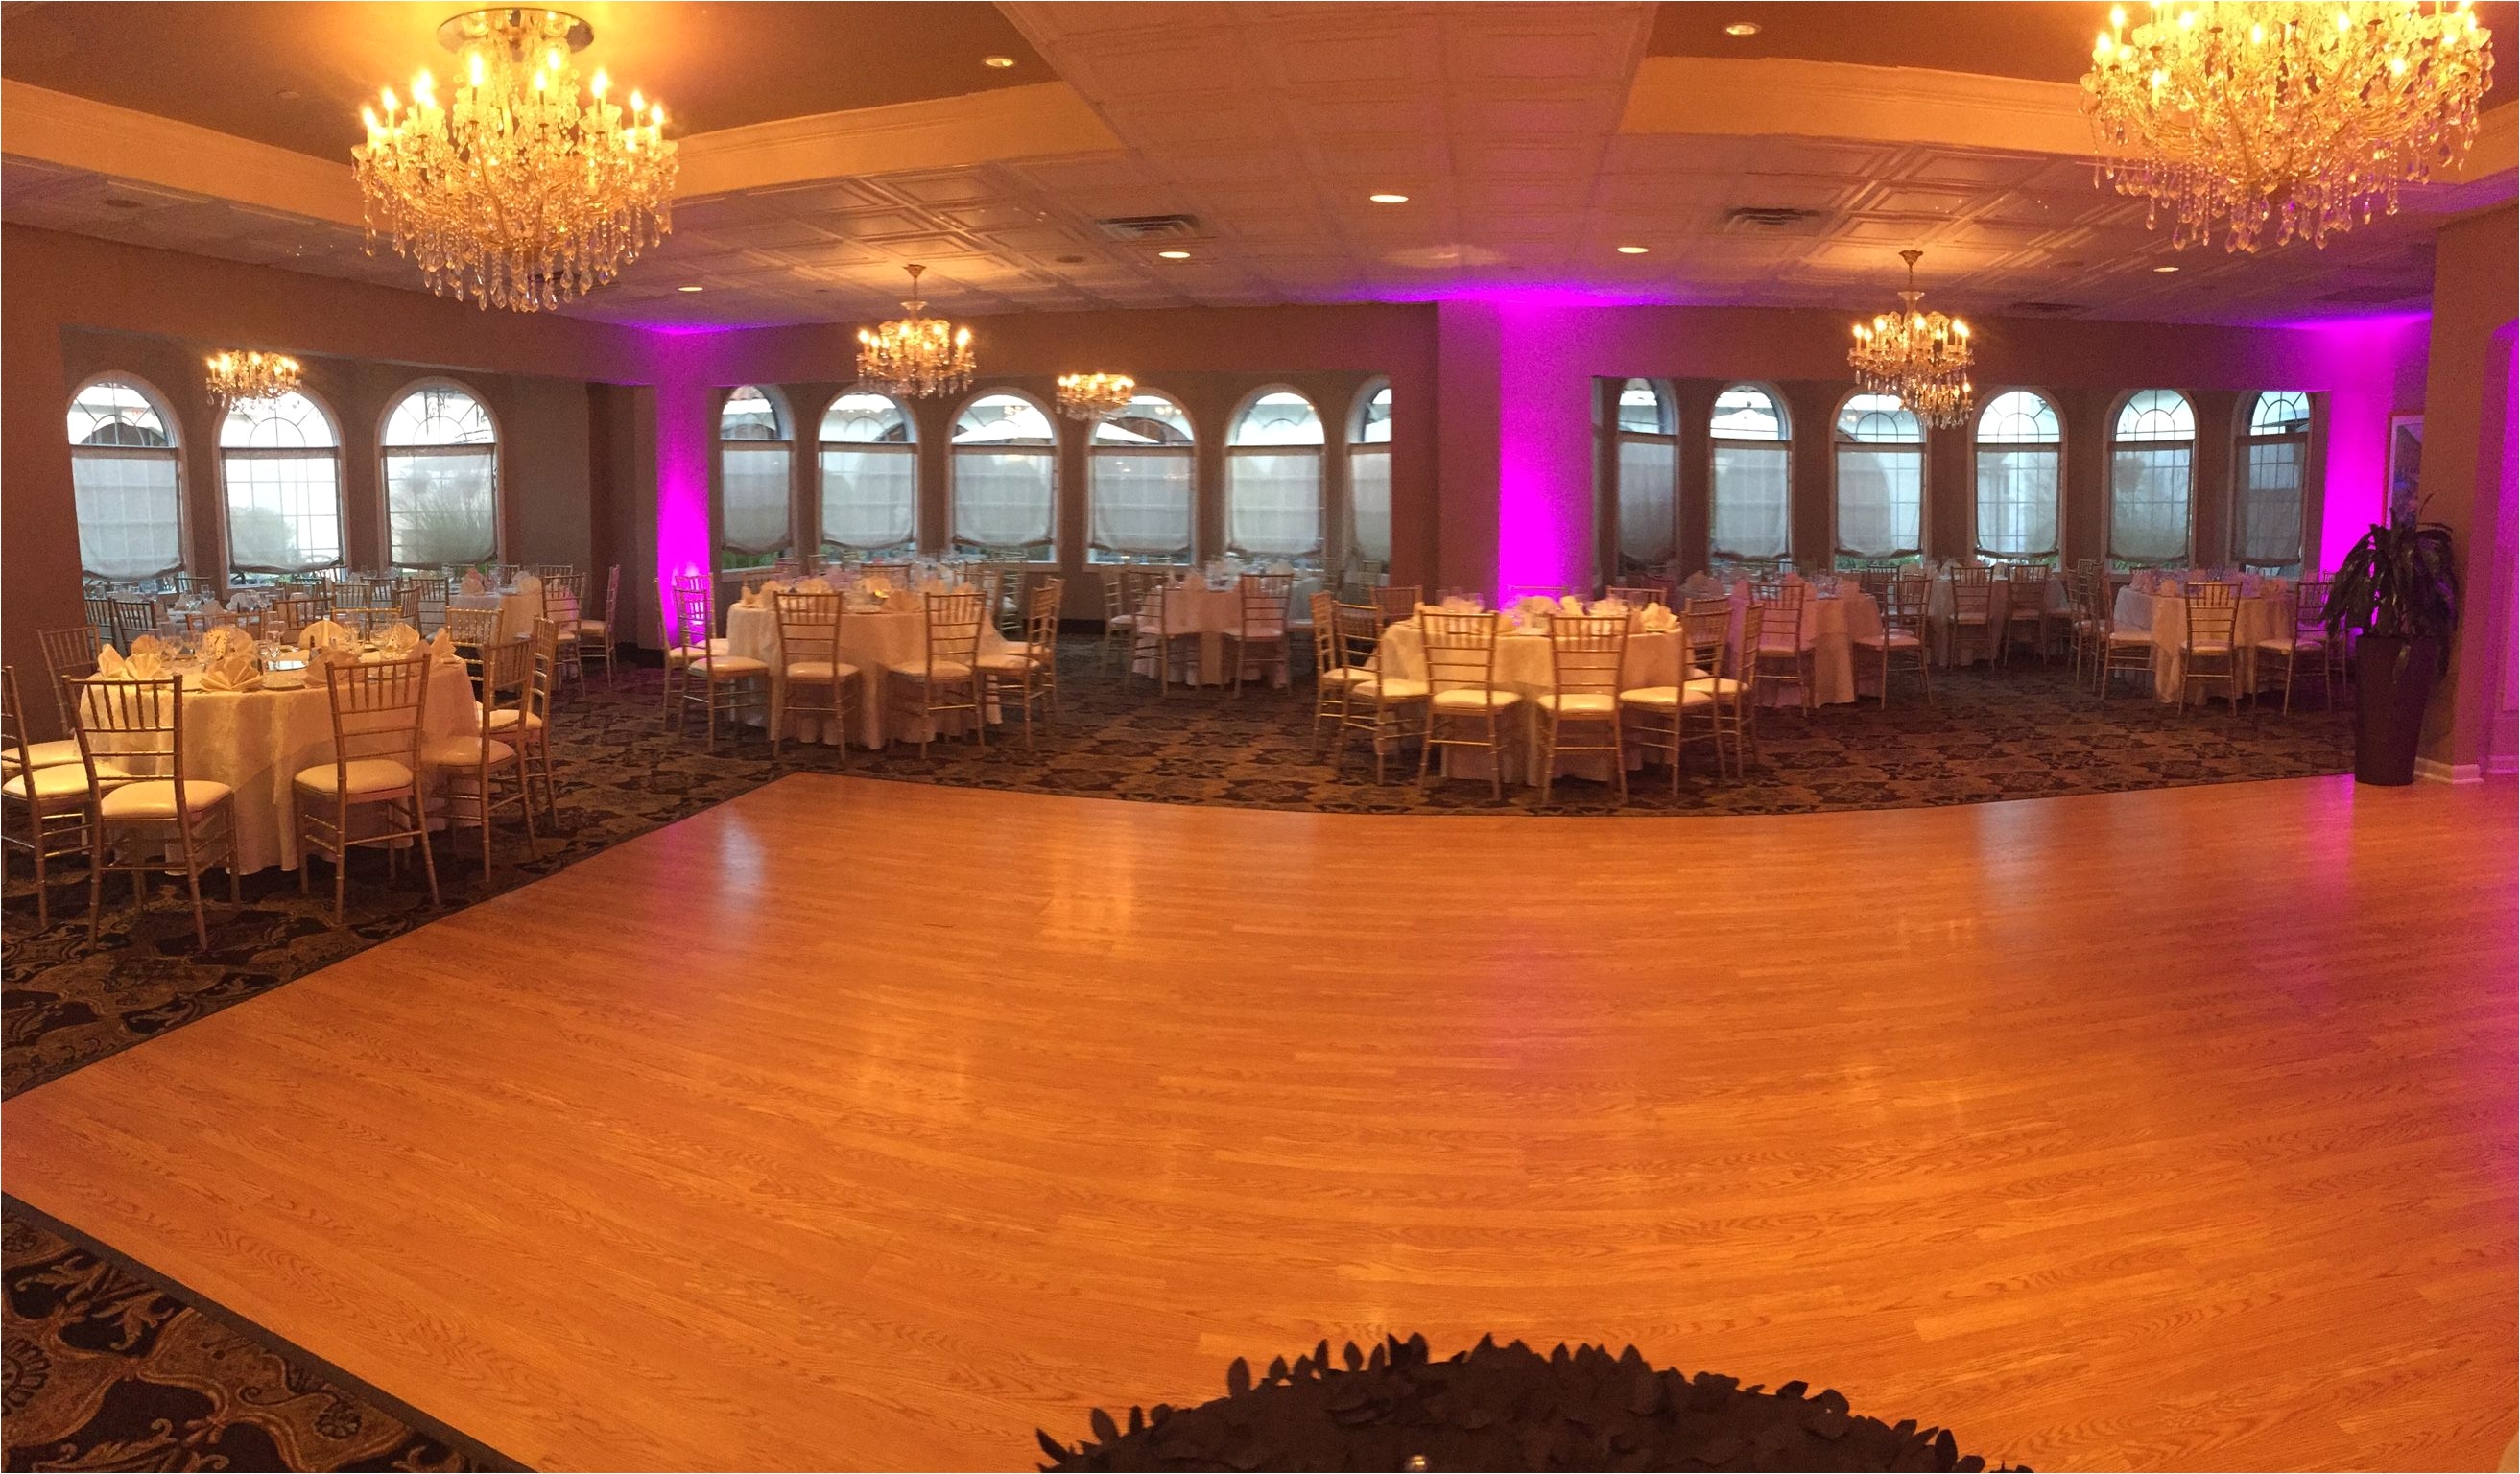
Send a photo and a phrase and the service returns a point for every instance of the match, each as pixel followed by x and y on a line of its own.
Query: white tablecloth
pixel 871 643
pixel 1524 666
pixel 1830 628
pixel 2165 617
pixel 1939 613
pixel 517 610
pixel 1194 608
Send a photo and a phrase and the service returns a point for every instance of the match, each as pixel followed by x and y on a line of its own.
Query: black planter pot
pixel 2396 678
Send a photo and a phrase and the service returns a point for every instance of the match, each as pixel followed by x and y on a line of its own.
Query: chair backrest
pixel 1638 596
pixel 507 674
pixel 1586 653
pixel 2029 583
pixel 1326 635
pixel 69 654
pixel 548 571
pixel 132 726
pixel 1706 629
pixel 12 724
pixel 1116 593
pixel 1394 602
pixel 1265 599
pixel 611 603
pixel 694 611
pixel 2309 607
pixel 2213 613
pixel 1783 624
pixel 953 629
pixel 1973 592
pixel 1461 650
pixel 545 680
pixel 378 706
pixel 809 627
pixel 428 592
pixel 133 618
pixel 1903 606
pixel 1360 629
pixel 565 599
pixel 477 628
pixel 1041 616
pixel 1745 670
pixel 100 617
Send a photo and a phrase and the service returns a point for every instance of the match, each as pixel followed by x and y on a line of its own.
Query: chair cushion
pixel 1580 703
pixel 591 626
pixel 1897 639
pixel 944 670
pixel 728 668
pixel 507 718
pixel 53 784
pixel 54 754
pixel 1666 697
pixel 1716 685
pixel 2129 637
pixel 1260 631
pixel 1122 621
pixel 1476 698
pixel 1393 689
pixel 2210 646
pixel 821 670
pixel 156 798
pixel 368 775
pixel 463 752
pixel 684 654
pixel 1346 675
pixel 2283 647
pixel 1011 662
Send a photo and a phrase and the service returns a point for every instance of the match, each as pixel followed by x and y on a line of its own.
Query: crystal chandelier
pixel 2245 115
pixel 1090 396
pixel 244 373
pixel 1921 358
pixel 521 194
pixel 915 356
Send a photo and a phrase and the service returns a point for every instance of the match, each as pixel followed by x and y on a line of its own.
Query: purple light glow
pixel 683 540
pixel 1544 440
pixel 2373 369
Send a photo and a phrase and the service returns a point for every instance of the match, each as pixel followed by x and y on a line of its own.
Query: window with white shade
pixel 1006 479
pixel 280 462
pixel 1647 469
pixel 1880 478
pixel 2020 449
pixel 2153 464
pixel 2275 459
pixel 441 472
pixel 1142 480
pixel 753 478
pixel 1749 484
pixel 126 481
pixel 1369 478
pixel 1273 480
pixel 870 478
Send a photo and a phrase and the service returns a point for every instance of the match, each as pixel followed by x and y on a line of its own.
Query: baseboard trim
pixel 2434 771
pixel 2502 765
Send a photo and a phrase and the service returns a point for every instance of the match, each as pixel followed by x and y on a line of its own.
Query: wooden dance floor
pixel 868 1124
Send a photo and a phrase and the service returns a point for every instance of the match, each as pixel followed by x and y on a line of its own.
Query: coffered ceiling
pixel 1531 140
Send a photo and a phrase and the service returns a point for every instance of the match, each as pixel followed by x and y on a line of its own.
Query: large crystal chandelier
pixel 915 356
pixel 1090 396
pixel 1921 358
pixel 245 374
pixel 2245 115
pixel 521 194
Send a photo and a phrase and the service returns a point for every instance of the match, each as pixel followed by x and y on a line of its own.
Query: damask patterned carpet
pixel 105 1372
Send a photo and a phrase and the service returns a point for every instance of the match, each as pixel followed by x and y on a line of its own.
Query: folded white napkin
pixel 398 638
pixel 771 587
pixel 531 586
pixel 1702 585
pixel 817 585
pixel 473 584
pixel 749 598
pixel 232 672
pixel 139 665
pixel 148 645
pixel 324 634
pixel 1658 620
pixel 441 645
pixel 225 640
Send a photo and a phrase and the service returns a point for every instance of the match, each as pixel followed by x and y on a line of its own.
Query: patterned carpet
pixel 98 1362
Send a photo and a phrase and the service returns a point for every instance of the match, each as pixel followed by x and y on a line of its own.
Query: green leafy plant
pixel 2400 582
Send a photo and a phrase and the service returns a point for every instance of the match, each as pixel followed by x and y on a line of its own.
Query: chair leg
pixel 341 866
pixel 1426 748
pixel 193 880
pixel 427 859
pixel 1548 762
pixel 43 898
pixel 94 878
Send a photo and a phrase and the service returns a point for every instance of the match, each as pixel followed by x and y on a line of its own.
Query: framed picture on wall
pixel 2406 465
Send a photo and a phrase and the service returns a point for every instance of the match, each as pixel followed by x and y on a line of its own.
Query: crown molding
pixel 1898 104
pixel 98 138
pixel 1045 119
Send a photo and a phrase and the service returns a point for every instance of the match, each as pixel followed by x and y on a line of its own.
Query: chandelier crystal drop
pixel 2271 121
pixel 522 193
pixel 915 356
pixel 1091 396
pixel 241 373
pixel 1921 358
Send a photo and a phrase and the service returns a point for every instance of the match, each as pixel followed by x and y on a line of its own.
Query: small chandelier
pixel 1090 396
pixel 915 356
pixel 2247 117
pixel 1921 358
pixel 245 374
pixel 520 195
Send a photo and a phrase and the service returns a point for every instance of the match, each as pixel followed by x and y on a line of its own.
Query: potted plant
pixel 2398 592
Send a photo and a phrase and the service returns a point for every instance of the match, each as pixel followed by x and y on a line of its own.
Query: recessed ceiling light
pixel 1743 28
pixel 1174 255
pixel 287 94
pixel 117 202
pixel 2165 269
pixel 691 289
pixel 1000 62
pixel 1388 199
pixel 1631 250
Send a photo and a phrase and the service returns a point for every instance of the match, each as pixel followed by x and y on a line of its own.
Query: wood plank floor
pixel 865 1124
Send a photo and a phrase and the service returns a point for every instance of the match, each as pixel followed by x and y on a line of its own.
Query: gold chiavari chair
pixel 809 663
pixel 1119 615
pixel 131 739
pixel 1028 672
pixel 100 617
pixel 2306 643
pixel 1736 690
pixel 70 655
pixel 946 678
pixel 294 609
pixel 1155 638
pixel 2083 625
pixel 133 618
pixel 427 595
pixel 563 601
pixel 1639 596
pixel 528 725
pixel 1663 712
pixel 1370 702
pixel 1587 657
pixel 2210 655
pixel 1462 693
pixel 1782 654
pixel 1330 674
pixel 2025 610
pixel 54 793
pixel 469 767
pixel 2121 650
pixel 728 684
pixel 594 637
pixel 379 710
pixel 1261 624
pixel 1902 633
pixel 1394 602
pixel 548 571
pixel 1972 613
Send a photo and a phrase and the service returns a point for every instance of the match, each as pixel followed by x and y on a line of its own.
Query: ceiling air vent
pixel 2043 309
pixel 1758 217
pixel 1149 227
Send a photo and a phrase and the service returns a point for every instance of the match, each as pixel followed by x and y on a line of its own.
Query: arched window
pixel 1750 490
pixel 2020 445
pixel 280 460
pixel 126 482
pixel 1141 474
pixel 1273 480
pixel 2268 513
pixel 2152 467
pixel 1369 478
pixel 1006 479
pixel 1880 478
pixel 753 478
pixel 441 459
pixel 870 470
pixel 1647 469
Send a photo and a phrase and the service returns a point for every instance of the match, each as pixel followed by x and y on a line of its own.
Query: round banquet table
pixel 1524 666
pixel 518 608
pixel 872 643
pixel 2267 615
pixel 1832 624
pixel 1210 613
pixel 1939 611
pixel 258 742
